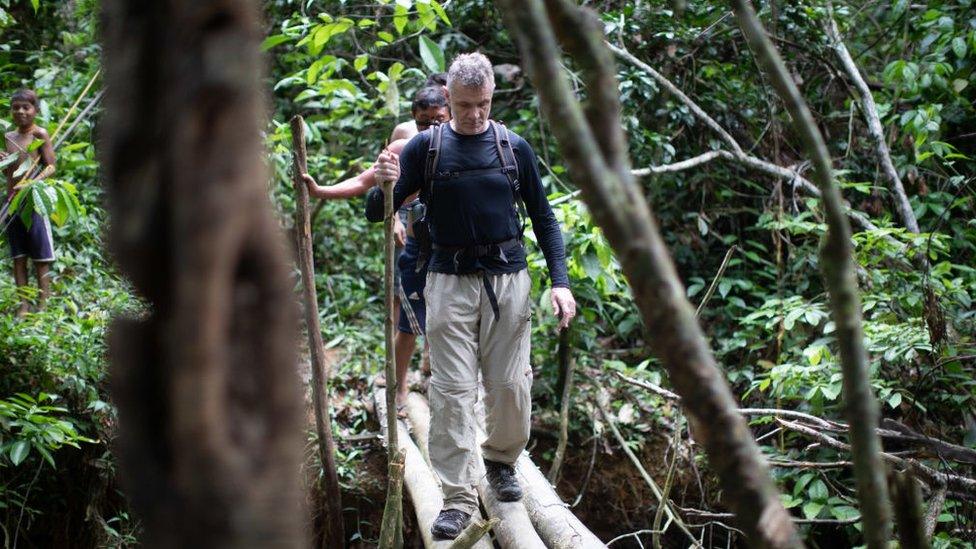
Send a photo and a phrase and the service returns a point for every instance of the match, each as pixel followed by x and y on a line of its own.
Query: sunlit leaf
pixel 431 54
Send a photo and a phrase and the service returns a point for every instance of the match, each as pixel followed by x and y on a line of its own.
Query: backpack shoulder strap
pixel 433 155
pixel 506 155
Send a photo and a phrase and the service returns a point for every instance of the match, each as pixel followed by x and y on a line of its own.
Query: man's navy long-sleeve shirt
pixel 477 209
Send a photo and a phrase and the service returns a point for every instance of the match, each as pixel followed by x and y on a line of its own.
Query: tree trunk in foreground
pixel 205 381
pixel 837 264
pixel 595 149
pixel 333 534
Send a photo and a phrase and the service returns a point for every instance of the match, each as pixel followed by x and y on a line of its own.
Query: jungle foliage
pixel 350 68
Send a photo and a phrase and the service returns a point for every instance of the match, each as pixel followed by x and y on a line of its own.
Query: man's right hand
pixel 309 182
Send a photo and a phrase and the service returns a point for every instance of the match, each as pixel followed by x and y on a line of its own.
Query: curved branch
pixel 837 264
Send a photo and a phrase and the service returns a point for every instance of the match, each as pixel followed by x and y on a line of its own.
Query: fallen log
pixel 419 480
pixel 418 415
pixel 514 530
pixel 556 524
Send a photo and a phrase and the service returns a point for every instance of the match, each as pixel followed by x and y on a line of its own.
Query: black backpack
pixel 510 168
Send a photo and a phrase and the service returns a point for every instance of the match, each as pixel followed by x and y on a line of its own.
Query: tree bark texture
pixel 566 366
pixel 596 153
pixel 837 264
pixel 206 384
pixel 907 500
pixel 390 367
pixel 334 531
pixel 391 532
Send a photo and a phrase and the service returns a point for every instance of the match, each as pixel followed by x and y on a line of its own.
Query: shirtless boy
pixel 35 241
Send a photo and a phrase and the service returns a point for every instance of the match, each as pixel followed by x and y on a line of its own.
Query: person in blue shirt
pixel 473 181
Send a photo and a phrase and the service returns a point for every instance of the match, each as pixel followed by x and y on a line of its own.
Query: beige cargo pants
pixel 464 337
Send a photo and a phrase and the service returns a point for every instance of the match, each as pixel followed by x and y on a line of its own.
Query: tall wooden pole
pixel 393 514
pixel 334 530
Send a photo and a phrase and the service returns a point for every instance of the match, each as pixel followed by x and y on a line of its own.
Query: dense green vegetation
pixel 351 67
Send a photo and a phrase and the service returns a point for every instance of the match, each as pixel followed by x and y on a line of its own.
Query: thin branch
pixel 644 474
pixel 680 95
pixel 907 501
pixel 710 515
pixel 870 110
pixel 718 276
pixel 334 530
pixel 693 162
pixel 927 474
pixel 936 502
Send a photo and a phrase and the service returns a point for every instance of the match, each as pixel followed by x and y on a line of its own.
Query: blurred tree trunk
pixel 205 381
pixel 594 146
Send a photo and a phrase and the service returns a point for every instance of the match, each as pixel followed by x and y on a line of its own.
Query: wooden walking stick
pixel 334 534
pixel 393 513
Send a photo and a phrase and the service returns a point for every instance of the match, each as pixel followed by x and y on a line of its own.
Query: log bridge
pixel 540 521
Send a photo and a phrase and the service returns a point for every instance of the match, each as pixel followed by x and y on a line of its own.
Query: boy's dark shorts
pixel 37 242
pixel 413 309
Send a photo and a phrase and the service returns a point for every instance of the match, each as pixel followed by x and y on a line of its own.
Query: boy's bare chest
pixel 19 143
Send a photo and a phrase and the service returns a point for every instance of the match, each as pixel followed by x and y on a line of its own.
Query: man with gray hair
pixel 475 178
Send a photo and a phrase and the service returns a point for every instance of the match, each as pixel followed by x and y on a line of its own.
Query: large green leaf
pixel 431 54
pixel 19 451
pixel 273 41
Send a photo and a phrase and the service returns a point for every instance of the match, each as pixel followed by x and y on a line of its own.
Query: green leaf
pixel 844 512
pixel 395 71
pixel 273 41
pixel 894 400
pixel 22 169
pixel 360 62
pixel 431 54
pixel 400 18
pixel 19 451
pixel 591 264
pixel 959 47
pixel 36 4
pixel 439 10
pixel 724 287
pixel 47 454
pixel 7 160
pixel 811 509
pixel 818 491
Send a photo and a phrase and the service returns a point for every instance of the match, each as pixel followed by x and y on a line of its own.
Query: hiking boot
pixel 449 524
pixel 502 479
